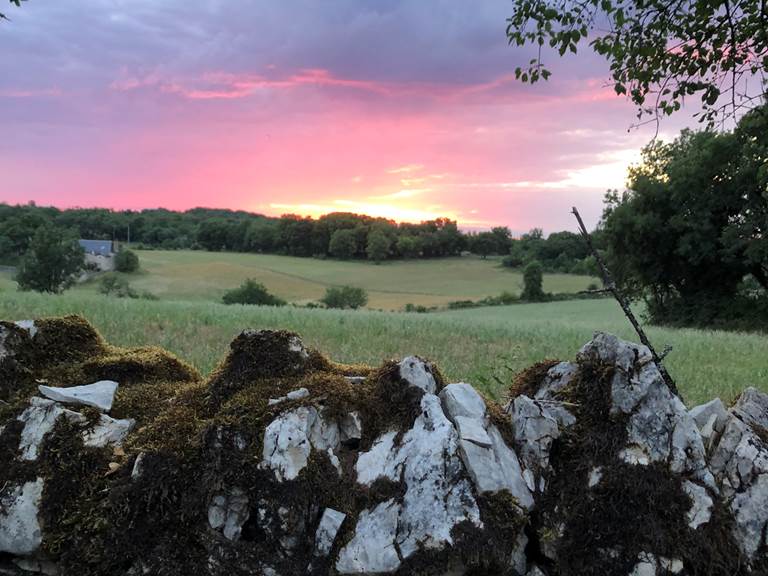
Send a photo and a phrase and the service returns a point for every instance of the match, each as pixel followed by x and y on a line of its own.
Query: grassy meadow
pixel 484 346
pixel 206 276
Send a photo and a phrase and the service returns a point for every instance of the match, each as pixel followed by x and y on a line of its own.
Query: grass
pixel 483 346
pixel 197 275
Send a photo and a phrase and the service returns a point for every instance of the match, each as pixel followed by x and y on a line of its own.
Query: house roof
pixel 99 247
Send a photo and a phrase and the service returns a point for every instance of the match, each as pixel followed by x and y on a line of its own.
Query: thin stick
pixel 610 285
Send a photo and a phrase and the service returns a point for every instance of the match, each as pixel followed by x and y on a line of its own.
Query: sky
pixel 406 109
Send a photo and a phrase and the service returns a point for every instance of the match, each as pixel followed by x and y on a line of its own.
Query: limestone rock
pixel 98 395
pixel 289 439
pixel 372 549
pixel 330 522
pixel 299 394
pixel 39 419
pixel 351 428
pixel 108 431
pixel 703 413
pixel 437 496
pixel 701 509
pixel 535 429
pixel 28 325
pixel 20 532
pixel 418 373
pixel 491 464
pixel 740 465
pixel 228 512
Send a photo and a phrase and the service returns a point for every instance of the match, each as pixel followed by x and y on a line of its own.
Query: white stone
pixel 673 565
pixel 703 413
pixel 437 496
pixel 329 526
pixel 355 379
pixel 351 427
pixel 557 378
pixel 28 325
pixel 138 466
pixel 750 508
pixel 595 475
pixel 228 512
pixel 635 455
pixel 701 507
pixel 286 442
pixel 289 439
pixel 20 532
pixel 472 430
pixel 372 549
pixel 496 468
pixel 299 394
pixel 418 373
pixel 108 431
pixel 39 419
pixel 535 429
pixel 646 566
pixel 462 400
pixel 752 407
pixel 98 395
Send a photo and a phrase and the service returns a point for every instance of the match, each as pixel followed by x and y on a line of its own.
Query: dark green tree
pixel 126 261
pixel 409 246
pixel 659 52
pixel 378 246
pixel 693 224
pixel 53 261
pixel 533 280
pixel 343 244
pixel 345 297
pixel 252 292
pixel 483 244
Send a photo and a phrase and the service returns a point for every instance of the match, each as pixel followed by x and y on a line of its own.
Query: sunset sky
pixel 406 109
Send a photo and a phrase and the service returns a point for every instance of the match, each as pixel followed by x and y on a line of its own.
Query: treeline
pixel 338 235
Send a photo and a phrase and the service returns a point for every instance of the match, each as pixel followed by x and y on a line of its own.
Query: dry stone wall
pixel 125 461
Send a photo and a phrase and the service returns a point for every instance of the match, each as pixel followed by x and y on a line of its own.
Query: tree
pixel 483 244
pixel 343 244
pixel 503 237
pixel 659 52
pixel 53 261
pixel 345 297
pixel 409 246
pixel 533 277
pixel 252 292
pixel 126 261
pixel 378 246
pixel 693 224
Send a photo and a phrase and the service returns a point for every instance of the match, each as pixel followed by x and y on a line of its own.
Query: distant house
pixel 99 254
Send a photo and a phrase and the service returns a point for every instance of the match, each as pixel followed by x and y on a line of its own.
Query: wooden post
pixel 610 285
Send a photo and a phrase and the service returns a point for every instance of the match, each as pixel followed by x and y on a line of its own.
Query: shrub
pixel 116 286
pixel 533 278
pixel 345 297
pixel 126 261
pixel 252 292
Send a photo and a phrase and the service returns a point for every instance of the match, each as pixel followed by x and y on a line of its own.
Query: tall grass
pixel 481 346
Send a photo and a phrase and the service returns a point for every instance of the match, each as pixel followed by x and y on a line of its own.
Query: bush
pixel 345 297
pixel 116 286
pixel 252 292
pixel 533 278
pixel 126 261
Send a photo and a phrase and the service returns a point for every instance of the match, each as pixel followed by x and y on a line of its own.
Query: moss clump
pixel 529 380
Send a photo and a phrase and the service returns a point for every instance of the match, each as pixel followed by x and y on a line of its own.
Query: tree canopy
pixel 659 51
pixel 691 233
pixel 53 261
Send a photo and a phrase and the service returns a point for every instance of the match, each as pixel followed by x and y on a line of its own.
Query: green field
pixel 472 345
pixel 197 275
